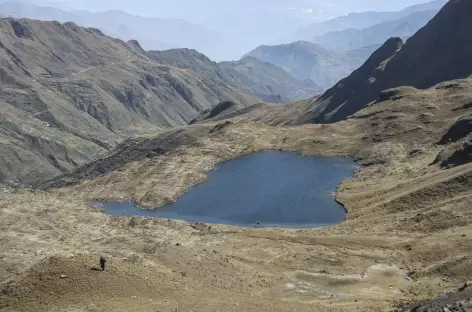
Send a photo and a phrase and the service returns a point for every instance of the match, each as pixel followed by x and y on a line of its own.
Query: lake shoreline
pixel 329 203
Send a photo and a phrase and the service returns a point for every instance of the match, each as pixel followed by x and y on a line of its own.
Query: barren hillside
pixel 407 237
pixel 70 94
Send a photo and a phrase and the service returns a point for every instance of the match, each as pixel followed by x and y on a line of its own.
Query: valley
pixel 97 118
pixel 401 211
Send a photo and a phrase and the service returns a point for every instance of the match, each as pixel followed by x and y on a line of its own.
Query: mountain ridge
pixel 307 60
pixel 267 81
pixel 350 39
pixel 440 51
pixel 70 94
pixel 357 21
pixel 170 33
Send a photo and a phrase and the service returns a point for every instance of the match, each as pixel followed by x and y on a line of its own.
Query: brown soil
pixel 407 237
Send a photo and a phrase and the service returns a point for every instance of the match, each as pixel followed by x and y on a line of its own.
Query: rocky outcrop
pixel 222 109
pixel 460 300
pixel 458 131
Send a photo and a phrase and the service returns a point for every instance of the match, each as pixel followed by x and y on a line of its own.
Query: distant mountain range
pixel 226 34
pixel 306 60
pixel 152 33
pixel 333 55
pixel 350 39
pixel 356 21
pixel 269 82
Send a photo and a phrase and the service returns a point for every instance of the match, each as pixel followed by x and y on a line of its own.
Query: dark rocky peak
pixel 386 51
pixel 440 51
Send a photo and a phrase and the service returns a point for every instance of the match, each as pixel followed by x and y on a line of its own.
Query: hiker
pixel 103 260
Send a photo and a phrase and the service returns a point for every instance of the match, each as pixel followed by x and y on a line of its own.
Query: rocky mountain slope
pixel 267 81
pixel 440 51
pixel 306 60
pixel 350 39
pixel 70 93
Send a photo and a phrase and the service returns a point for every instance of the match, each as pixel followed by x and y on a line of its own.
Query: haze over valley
pixel 226 31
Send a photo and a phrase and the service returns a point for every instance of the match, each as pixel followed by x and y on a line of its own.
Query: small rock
pixel 466 285
pixel 133 297
pixel 63 276
pixel 178 244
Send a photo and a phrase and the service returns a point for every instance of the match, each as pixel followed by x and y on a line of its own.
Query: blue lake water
pixel 265 189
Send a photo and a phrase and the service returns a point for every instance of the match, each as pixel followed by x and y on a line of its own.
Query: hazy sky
pixel 226 28
pixel 200 9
